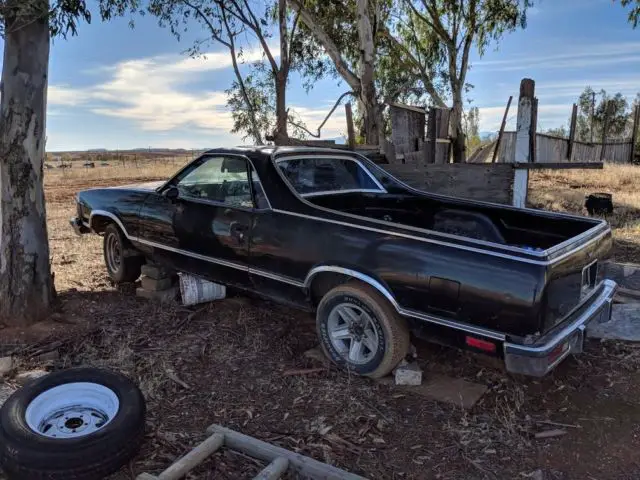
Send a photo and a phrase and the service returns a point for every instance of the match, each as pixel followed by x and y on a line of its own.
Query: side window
pixel 259 196
pixel 220 179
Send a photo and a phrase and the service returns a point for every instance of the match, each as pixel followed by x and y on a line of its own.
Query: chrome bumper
pixel 540 358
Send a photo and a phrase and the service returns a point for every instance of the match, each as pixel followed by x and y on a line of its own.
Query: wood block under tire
pixel 156 285
pixel 156 271
pixel 162 296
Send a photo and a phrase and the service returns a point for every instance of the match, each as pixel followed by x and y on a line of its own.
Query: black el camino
pixel 331 232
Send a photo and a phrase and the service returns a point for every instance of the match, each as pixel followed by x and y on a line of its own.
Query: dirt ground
pixel 233 354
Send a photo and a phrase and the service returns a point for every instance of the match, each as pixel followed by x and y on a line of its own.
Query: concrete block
pixel 156 272
pixel 25 377
pixel 6 365
pixel 156 285
pixel 626 275
pixel 162 296
pixel 624 324
pixel 408 374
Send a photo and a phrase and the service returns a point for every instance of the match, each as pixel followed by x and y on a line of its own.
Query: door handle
pixel 239 231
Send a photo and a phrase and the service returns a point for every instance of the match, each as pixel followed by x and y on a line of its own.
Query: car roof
pixel 265 152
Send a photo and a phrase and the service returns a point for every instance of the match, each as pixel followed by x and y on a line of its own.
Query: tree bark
pixel 26 286
pixel 367 94
pixel 281 136
pixel 457 133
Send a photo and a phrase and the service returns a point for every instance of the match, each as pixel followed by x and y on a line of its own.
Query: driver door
pixel 201 220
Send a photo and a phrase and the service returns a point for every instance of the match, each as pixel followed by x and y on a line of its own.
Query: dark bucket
pixel 599 203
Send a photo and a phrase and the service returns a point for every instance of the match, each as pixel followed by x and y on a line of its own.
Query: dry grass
pixel 148 170
pixel 565 191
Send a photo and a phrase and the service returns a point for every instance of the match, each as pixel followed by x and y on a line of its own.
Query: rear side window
pixel 315 176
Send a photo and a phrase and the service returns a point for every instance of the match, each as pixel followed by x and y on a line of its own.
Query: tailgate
pixel 574 274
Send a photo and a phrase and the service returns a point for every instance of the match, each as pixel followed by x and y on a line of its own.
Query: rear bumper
pixel 540 358
pixel 79 226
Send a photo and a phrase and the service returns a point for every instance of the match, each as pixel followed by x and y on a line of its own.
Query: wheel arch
pixel 323 278
pixel 99 219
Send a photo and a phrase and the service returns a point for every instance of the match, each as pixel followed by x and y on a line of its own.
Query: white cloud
pixel 154 93
pixel 549 116
pixel 580 57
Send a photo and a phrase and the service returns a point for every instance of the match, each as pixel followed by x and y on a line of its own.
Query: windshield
pixel 322 175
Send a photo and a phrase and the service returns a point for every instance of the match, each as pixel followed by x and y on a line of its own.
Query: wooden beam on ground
pixel 501 132
pixel 351 136
pixel 572 131
pixel 525 146
pixel 305 466
pixel 559 166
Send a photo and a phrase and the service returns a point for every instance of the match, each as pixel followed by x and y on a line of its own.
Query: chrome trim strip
pixel 275 276
pixel 166 247
pixel 334 157
pixel 401 310
pixel 198 256
pixel 542 350
pixel 339 192
pixel 413 237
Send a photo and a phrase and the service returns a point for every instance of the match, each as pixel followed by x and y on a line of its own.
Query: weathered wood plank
pixel 559 166
pixel 490 182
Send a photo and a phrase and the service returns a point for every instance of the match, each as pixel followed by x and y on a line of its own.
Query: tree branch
pixel 424 76
pixel 329 46
pixel 212 29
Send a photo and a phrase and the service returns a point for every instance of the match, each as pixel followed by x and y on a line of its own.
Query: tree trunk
pixel 371 116
pixel 281 137
pixel 26 286
pixel 457 133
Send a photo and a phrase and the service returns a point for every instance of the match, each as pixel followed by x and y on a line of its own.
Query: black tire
pixel 392 330
pixel 28 455
pixel 126 268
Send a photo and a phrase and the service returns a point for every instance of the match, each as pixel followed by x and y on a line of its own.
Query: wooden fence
pixel 486 182
pixel 550 149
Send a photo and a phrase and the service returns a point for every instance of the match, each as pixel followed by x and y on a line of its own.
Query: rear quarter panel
pixel 485 290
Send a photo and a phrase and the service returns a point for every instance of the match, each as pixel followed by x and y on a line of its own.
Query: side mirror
pixel 172 193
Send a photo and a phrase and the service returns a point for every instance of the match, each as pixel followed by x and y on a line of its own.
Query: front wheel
pixel 360 331
pixel 120 266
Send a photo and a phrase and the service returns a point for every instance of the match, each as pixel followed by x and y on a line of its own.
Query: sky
pixel 116 87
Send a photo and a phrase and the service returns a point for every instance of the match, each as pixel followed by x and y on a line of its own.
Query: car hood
pixel 146 186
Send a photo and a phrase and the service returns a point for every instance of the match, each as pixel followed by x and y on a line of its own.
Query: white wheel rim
pixel 72 410
pixel 352 333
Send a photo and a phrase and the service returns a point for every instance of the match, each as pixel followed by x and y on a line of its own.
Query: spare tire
pixel 76 424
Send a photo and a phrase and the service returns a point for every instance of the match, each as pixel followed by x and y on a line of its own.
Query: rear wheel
pixel 121 266
pixel 360 331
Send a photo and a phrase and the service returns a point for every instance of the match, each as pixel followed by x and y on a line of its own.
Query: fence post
pixel 604 129
pixel 572 131
pixel 501 132
pixel 634 132
pixel 432 130
pixel 525 144
pixel 350 132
